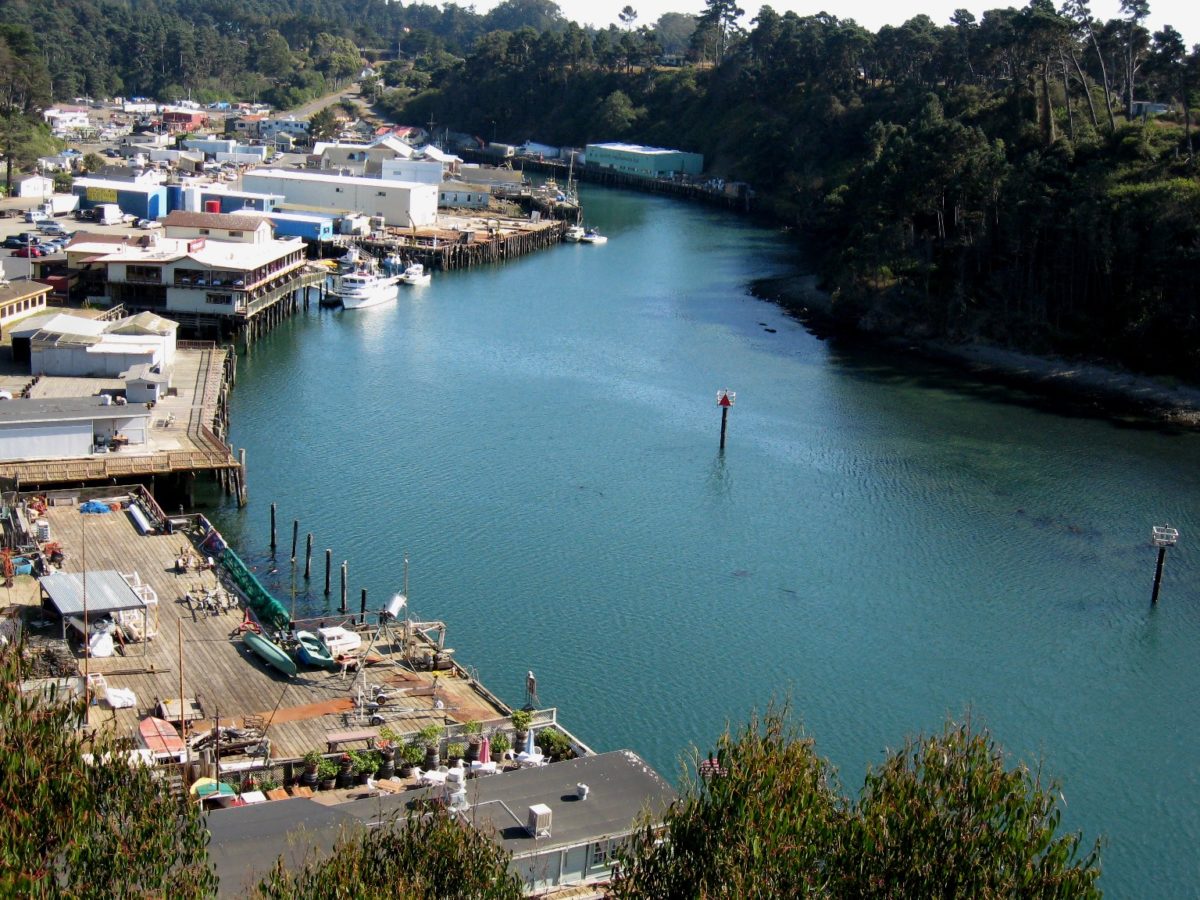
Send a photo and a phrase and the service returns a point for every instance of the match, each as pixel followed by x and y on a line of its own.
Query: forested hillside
pixel 989 178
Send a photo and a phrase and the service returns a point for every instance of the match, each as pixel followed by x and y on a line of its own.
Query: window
pixel 219 299
pixel 381 193
pixel 143 273
pixel 337 190
pixel 204 231
pixel 602 854
pixel 235 234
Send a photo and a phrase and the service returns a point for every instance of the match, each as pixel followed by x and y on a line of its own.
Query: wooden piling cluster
pixel 446 250
pixel 273 308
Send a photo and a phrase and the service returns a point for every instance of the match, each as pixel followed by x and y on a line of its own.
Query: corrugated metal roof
pixel 106 592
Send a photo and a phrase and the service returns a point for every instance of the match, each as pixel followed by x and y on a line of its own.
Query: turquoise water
pixel 882 541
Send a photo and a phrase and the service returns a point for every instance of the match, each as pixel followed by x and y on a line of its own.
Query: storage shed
pixel 146 384
pixel 68 427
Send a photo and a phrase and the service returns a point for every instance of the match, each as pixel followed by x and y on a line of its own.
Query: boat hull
pixel 270 653
pixel 385 292
pixel 160 736
pixel 313 652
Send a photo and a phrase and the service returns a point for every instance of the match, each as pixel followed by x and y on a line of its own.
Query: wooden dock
pixel 186 434
pixel 493 240
pixel 217 668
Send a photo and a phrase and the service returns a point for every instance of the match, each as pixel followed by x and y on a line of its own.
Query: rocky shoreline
pixel 1114 392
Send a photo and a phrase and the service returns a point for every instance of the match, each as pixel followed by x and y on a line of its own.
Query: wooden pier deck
pixel 218 669
pixel 183 434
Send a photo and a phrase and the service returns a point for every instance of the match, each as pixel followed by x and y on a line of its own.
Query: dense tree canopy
pixel 944 816
pixel 73 828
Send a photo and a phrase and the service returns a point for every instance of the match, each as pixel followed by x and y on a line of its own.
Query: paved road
pixel 312 106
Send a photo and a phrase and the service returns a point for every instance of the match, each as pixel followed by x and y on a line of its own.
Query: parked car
pixel 35 215
pixel 13 242
pixel 51 227
pixel 148 223
pixel 33 251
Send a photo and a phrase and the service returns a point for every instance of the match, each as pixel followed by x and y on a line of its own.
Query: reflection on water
pixel 885 541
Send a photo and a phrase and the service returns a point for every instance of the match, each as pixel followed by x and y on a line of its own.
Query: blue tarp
pixel 94 506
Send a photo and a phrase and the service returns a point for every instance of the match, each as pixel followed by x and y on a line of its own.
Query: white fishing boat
pixel 416 275
pixel 359 290
pixel 574 234
pixel 592 236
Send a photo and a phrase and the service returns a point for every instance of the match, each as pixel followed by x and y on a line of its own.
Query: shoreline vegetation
pixel 1103 389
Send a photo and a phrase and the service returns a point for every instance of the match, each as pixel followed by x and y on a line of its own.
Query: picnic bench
pixel 334 738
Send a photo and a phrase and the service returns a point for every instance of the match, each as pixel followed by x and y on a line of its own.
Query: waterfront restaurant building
pixel 645 162
pixel 231 268
pixel 401 203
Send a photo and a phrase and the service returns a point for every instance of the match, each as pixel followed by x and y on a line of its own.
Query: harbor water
pixel 885 542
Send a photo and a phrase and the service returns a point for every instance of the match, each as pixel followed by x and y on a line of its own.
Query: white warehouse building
pixel 400 203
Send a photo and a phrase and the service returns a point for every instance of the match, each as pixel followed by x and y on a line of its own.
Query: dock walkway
pixel 218 669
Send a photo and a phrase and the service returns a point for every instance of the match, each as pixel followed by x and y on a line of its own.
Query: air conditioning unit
pixel 538 824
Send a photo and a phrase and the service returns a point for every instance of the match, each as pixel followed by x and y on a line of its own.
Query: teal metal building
pixel 646 162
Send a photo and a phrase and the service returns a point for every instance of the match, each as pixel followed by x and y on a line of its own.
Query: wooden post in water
pixel 295 536
pixel 308 557
pixel 1162 536
pixel 243 492
pixel 362 610
pixel 328 566
pixel 345 566
pixel 272 526
pixel 725 401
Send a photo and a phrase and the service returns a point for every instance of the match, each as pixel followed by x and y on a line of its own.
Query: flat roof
pixel 239 221
pixel 634 148
pixel 245 841
pixel 106 592
pixel 329 178
pixel 215 253
pixel 127 186
pixel 64 409
pixel 621 785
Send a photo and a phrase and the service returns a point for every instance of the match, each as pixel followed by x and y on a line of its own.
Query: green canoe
pixel 272 654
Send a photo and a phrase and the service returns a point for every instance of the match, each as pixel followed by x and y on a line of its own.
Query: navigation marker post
pixel 1162 536
pixel 725 401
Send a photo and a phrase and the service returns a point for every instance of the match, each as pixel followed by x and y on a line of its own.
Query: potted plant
pixel 386 744
pixel 521 720
pixel 269 784
pixel 500 745
pixel 473 731
pixel 455 752
pixel 312 759
pixel 555 745
pixel 363 764
pixel 430 736
pixel 327 774
pixel 345 772
pixel 411 753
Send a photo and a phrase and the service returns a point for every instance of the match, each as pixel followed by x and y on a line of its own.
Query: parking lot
pixel 14 225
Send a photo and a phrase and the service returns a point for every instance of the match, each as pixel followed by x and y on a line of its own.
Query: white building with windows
pixel 400 203
pixel 208 264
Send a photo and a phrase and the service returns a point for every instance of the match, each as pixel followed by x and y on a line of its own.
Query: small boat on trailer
pixel 271 653
pixel 311 651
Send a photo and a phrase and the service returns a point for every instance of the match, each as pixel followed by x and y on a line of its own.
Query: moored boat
pixel 271 653
pixel 574 234
pixel 358 290
pixel 416 275
pixel 313 652
pixel 592 236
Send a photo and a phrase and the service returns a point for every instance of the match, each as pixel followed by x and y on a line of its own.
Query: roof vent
pixel 538 824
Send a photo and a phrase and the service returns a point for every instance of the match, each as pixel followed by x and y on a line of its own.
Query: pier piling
pixel 362 610
pixel 308 557
pixel 295 537
pixel 272 527
pixel 345 566
pixel 328 567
